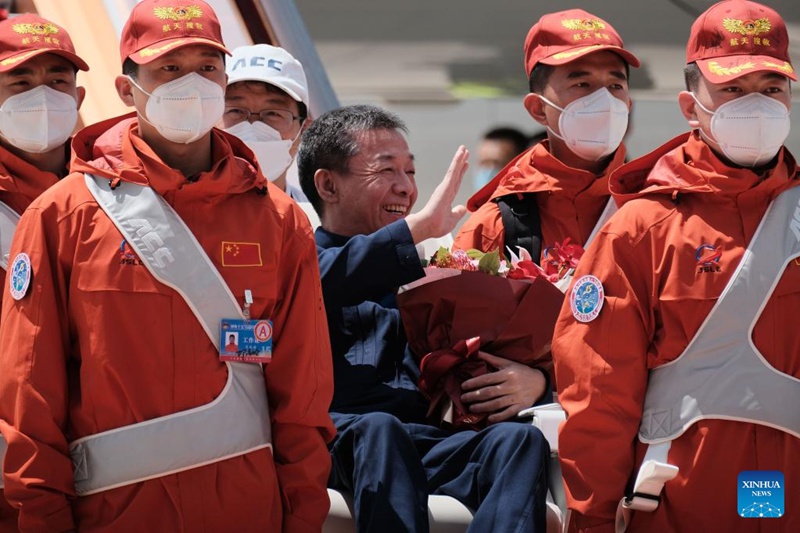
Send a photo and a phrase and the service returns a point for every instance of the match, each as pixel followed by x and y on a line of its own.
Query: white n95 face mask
pixel 592 126
pixel 273 153
pixel 749 130
pixel 38 120
pixel 185 109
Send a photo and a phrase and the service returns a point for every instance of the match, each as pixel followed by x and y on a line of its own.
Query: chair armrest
pixel 547 418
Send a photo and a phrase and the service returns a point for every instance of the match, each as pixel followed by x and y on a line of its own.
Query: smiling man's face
pixel 379 186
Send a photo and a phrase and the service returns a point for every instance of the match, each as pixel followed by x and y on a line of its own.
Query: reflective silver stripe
pixel 168 249
pixel 3 447
pixel 610 209
pixel 235 423
pixel 721 374
pixel 227 427
pixel 8 224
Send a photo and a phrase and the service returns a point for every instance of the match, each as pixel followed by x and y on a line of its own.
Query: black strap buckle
pixel 629 499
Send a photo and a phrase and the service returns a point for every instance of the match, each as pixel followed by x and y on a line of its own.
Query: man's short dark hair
pixel 330 142
pixel 512 135
pixel 692 74
pixel 130 68
pixel 539 77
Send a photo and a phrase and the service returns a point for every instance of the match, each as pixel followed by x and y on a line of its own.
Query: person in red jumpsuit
pixel 577 69
pixel 92 342
pixel 688 212
pixel 39 102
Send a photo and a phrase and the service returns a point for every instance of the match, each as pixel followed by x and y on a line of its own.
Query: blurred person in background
pixel 120 406
pixel 536 138
pixel 497 148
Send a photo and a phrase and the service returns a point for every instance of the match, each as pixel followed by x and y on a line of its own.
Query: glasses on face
pixel 279 119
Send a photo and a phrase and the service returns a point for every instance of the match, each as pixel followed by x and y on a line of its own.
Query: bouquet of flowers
pixel 470 301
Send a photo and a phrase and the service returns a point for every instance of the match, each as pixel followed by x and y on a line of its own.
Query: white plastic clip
pixel 248 301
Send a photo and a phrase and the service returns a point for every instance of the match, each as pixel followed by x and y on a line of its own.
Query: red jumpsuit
pixel 570 200
pixel 678 203
pixel 97 343
pixel 20 184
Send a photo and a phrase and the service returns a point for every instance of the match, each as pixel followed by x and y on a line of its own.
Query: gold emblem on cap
pixel 18 59
pixel 178 13
pixel 35 28
pixel 573 53
pixel 747 27
pixel 786 67
pixel 147 52
pixel 719 70
pixel 583 24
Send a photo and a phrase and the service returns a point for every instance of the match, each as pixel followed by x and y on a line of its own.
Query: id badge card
pixel 245 341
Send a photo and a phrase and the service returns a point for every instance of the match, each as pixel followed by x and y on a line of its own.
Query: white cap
pixel 270 64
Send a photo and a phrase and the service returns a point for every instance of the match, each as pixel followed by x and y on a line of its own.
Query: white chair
pixel 445 514
pixel 448 515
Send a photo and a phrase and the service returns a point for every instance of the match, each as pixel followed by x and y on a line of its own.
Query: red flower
pixel 530 270
pixel 561 258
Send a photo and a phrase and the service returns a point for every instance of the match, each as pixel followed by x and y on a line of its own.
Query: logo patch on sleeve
pixel 19 278
pixel 586 299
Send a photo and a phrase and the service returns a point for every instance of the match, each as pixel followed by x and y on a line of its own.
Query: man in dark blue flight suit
pixel 357 171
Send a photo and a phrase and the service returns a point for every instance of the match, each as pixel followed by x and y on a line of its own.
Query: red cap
pixel 27 36
pixel 736 37
pixel 156 27
pixel 559 38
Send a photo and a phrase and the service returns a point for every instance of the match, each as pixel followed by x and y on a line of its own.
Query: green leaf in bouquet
pixel 490 263
pixel 472 253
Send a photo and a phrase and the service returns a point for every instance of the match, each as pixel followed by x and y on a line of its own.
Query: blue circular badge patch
pixel 19 278
pixel 587 298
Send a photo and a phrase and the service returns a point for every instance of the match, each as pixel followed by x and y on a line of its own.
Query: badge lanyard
pixel 245 341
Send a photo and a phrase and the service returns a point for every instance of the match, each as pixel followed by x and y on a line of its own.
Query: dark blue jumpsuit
pixel 385 453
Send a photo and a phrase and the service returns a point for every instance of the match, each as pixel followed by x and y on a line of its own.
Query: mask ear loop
pixel 297 135
pixel 708 137
pixel 554 106
pixel 135 84
pixel 704 108
pixel 294 156
pixel 142 115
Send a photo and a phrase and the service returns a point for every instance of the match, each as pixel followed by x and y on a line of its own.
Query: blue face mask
pixel 483 176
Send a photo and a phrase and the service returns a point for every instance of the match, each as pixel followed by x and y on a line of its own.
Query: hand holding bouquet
pixel 471 301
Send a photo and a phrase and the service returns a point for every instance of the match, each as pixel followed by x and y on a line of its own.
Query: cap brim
pixel 275 83
pixel 567 56
pixel 156 50
pixel 16 60
pixel 727 68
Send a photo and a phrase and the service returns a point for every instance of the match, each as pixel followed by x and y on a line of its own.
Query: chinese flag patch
pixel 241 254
